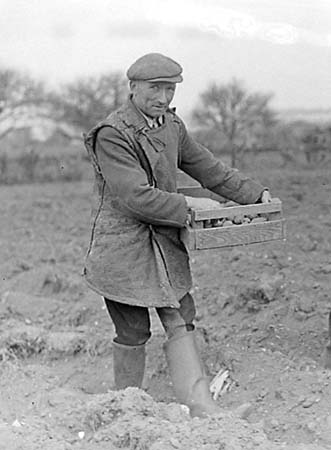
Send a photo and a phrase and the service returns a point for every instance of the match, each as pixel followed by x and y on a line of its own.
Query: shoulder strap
pixel 141 156
pixel 90 140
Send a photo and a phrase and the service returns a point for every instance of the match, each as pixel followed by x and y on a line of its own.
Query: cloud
pixel 227 23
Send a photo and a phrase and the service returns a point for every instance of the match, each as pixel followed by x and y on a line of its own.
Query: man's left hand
pixel 266 197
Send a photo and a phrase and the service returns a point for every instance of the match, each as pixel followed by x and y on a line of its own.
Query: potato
pixel 220 222
pixel 238 219
pixel 259 220
pixel 230 203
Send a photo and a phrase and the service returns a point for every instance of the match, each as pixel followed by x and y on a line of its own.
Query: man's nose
pixel 163 96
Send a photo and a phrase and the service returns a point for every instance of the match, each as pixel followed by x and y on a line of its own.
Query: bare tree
pixel 71 109
pixel 240 116
pixel 316 144
pixel 21 98
pixel 84 102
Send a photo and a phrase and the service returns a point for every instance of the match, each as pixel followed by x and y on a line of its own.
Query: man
pixel 136 259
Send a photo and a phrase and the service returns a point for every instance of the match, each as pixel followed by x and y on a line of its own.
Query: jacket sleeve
pixel 198 162
pixel 128 183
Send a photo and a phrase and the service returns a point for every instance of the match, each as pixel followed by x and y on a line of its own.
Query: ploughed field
pixel 261 315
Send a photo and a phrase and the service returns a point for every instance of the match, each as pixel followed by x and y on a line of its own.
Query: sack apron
pixel 127 260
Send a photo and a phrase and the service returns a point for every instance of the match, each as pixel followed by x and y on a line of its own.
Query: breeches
pixel 132 323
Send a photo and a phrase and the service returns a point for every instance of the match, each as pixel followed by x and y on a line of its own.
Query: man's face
pixel 153 98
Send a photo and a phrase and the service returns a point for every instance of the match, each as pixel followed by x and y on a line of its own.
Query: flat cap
pixel 155 67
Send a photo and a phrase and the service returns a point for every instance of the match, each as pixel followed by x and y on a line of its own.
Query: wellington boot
pixel 190 383
pixel 129 365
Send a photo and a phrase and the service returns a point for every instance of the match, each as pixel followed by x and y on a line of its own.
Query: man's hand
pixel 202 203
pixel 266 197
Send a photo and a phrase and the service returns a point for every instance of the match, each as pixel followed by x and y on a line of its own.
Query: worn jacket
pixel 135 254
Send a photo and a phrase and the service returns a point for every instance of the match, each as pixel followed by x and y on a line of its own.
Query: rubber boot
pixel 190 383
pixel 129 365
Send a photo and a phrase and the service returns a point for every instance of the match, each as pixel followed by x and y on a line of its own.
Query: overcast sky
pixel 279 46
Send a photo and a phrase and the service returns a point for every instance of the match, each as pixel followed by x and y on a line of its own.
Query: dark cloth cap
pixel 155 67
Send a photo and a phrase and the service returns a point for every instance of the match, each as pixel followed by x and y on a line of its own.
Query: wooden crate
pixel 211 228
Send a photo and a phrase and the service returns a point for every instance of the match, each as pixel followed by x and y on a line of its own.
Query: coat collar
pixel 133 117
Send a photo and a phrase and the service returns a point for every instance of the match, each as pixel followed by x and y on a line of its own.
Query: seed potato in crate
pixel 232 224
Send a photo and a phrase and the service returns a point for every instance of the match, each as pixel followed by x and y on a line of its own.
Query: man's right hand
pixel 202 203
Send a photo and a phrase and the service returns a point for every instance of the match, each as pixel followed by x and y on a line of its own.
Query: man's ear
pixel 132 85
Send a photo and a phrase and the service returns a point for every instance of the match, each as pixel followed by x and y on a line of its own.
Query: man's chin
pixel 158 110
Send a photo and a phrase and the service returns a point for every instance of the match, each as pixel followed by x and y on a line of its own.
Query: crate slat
pixel 234 235
pixel 232 211
pixel 239 235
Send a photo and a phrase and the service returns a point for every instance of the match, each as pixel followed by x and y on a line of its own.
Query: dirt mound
pixel 58 418
pixel 21 340
pixel 107 417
